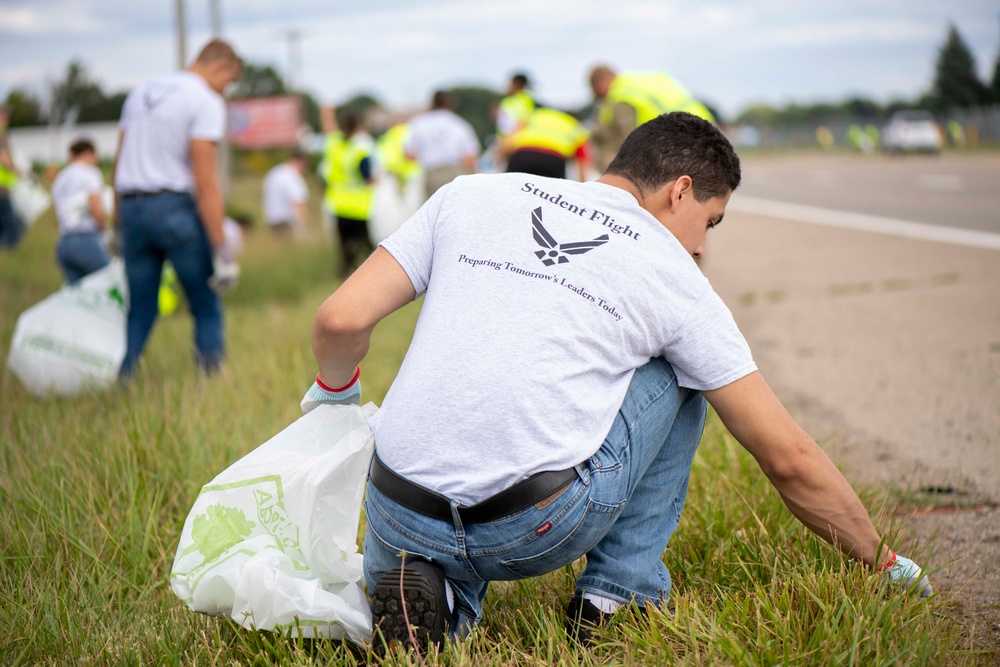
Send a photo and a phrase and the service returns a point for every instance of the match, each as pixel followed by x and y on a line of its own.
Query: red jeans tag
pixel 544 528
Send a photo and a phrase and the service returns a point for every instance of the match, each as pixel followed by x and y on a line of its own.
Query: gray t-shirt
pixel 542 298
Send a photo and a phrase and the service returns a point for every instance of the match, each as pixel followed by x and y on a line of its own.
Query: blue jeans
pixel 155 228
pixel 80 254
pixel 620 512
pixel 11 228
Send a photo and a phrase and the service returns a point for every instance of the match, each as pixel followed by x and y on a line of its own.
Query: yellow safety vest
pixel 8 178
pixel 651 94
pixel 518 106
pixel 392 152
pixel 550 130
pixel 331 149
pixel 347 193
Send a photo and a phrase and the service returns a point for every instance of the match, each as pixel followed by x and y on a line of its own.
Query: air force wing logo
pixel 554 252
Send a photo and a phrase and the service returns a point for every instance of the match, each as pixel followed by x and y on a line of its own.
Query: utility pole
pixel 215 15
pixel 181 30
pixel 294 38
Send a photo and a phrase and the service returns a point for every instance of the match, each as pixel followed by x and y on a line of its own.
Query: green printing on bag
pixel 110 299
pixel 65 350
pixel 218 530
pixel 222 527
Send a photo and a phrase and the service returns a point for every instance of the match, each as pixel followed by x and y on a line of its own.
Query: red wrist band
pixel 357 375
pixel 889 563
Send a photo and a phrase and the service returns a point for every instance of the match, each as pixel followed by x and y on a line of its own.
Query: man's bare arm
pixel 808 481
pixel 208 192
pixel 342 330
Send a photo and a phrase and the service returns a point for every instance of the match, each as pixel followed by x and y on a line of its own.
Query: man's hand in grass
pixel 904 572
pixel 321 394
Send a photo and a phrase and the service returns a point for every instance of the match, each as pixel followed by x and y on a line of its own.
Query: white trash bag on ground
pixel 271 542
pixel 75 339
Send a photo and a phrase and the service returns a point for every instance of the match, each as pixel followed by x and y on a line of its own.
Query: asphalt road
pixel 952 190
pixel 896 341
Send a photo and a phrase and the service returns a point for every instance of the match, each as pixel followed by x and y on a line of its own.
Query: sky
pixel 731 53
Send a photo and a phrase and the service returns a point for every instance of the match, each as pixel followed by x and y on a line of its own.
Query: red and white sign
pixel 265 122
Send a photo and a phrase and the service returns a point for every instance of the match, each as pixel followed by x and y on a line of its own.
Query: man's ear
pixel 681 188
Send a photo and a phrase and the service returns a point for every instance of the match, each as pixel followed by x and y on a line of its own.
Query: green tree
pixel 259 81
pixel 956 83
pixel 476 105
pixel 75 94
pixel 25 109
pixel 995 83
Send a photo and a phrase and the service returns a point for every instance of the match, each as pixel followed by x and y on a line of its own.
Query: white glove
pixel 319 394
pixel 225 273
pixel 904 572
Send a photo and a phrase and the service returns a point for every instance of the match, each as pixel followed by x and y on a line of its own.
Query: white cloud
pixel 64 19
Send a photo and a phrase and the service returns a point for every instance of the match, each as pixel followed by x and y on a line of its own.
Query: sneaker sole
pixel 422 608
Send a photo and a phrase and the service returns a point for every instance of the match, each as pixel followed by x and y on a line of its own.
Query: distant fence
pixel 980 124
pixel 50 144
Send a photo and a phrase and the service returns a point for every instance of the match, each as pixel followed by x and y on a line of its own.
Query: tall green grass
pixel 94 491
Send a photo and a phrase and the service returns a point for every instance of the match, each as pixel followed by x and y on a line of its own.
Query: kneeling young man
pixel 556 386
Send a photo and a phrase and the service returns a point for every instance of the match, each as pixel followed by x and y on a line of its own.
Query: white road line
pixel 867 223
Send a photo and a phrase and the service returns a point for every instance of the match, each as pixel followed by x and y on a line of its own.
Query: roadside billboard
pixel 265 122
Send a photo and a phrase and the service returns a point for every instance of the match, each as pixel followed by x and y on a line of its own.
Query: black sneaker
pixel 426 607
pixel 583 618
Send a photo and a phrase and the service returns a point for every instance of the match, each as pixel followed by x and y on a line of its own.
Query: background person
pixel 11 226
pixel 543 144
pixel 444 143
pixel 77 193
pixel 349 171
pixel 554 394
pixel 629 99
pixel 171 204
pixel 515 107
pixel 286 196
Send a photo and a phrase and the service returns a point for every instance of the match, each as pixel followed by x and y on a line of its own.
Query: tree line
pixel 77 97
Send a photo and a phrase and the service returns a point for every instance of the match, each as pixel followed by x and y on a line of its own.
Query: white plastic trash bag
pixel 29 200
pixel 394 206
pixel 75 339
pixel 271 542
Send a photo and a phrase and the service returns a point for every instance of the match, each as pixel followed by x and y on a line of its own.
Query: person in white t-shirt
pixel 286 196
pixel 170 200
pixel 555 391
pixel 442 142
pixel 78 196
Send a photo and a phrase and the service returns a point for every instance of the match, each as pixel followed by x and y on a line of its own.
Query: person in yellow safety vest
pixel 515 108
pixel 545 142
pixel 627 100
pixel 392 154
pixel 11 228
pixel 348 170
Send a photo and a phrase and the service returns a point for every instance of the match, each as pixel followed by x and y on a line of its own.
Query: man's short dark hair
pixel 81 146
pixel 443 99
pixel 674 145
pixel 520 80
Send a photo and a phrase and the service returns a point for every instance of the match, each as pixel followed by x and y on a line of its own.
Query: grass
pixel 94 491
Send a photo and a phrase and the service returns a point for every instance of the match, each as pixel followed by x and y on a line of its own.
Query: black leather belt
pixel 527 492
pixel 152 193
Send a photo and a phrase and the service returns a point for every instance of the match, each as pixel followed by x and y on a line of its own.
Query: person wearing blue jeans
pixel 170 201
pixel 11 227
pixel 77 193
pixel 80 254
pixel 157 228
pixel 632 488
pixel 554 393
